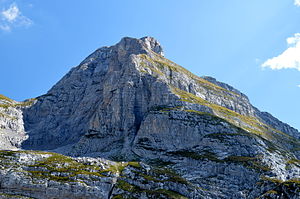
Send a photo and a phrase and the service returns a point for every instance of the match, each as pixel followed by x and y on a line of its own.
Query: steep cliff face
pixel 127 102
pixel 98 98
pixel 12 132
pixel 109 96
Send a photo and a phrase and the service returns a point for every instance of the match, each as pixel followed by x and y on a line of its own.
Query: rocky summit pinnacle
pixel 127 122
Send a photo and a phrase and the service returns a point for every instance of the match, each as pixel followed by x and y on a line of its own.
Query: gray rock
pixel 12 132
pixel 193 137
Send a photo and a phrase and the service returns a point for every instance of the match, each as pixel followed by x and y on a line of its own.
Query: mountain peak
pixel 153 44
pixel 128 103
pixel 145 43
pixel 125 47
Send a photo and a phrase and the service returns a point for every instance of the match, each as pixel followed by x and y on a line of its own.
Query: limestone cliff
pixel 191 137
pixel 12 132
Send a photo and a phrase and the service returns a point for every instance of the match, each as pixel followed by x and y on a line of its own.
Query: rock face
pixel 189 136
pixel 12 132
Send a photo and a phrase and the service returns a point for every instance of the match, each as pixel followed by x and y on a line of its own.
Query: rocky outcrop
pixel 44 175
pixel 12 132
pixel 48 175
pixel 191 136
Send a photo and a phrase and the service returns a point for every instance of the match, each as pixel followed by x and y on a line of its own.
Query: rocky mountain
pixel 132 124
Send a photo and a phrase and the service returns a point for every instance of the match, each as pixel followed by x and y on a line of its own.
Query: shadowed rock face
pixel 105 96
pixel 127 102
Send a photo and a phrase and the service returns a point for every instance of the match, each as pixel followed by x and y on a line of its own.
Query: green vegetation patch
pixel 153 174
pixel 205 155
pixel 247 123
pixel 223 136
pixel 292 162
pixel 131 189
pixel 4 98
pixel 4 115
pixel 249 162
pixel 6 154
pixel 119 196
pixel 62 168
pixel 28 102
pixel 160 65
pixel 280 188
pixel 268 194
pixel 118 167
pixel 290 182
pixel 10 103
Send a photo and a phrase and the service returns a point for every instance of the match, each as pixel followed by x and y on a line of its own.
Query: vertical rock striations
pixel 194 137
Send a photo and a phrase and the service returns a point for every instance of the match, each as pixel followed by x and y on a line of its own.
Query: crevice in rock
pixel 111 191
pixel 138 117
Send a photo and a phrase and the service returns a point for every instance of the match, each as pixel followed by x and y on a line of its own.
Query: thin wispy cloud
pixel 290 58
pixel 12 13
pixel 12 17
pixel 297 3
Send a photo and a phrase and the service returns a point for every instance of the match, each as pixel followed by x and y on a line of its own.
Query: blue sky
pixel 252 45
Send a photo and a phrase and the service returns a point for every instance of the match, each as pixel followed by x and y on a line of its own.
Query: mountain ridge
pixel 126 103
pixel 139 48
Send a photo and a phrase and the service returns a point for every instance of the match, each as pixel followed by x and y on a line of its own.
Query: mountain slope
pixel 127 102
pixel 114 89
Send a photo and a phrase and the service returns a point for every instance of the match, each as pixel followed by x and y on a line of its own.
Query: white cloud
pixel 12 17
pixel 297 2
pixel 12 13
pixel 290 58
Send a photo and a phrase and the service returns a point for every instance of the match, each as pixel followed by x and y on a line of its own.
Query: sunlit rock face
pixel 12 132
pixel 169 133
